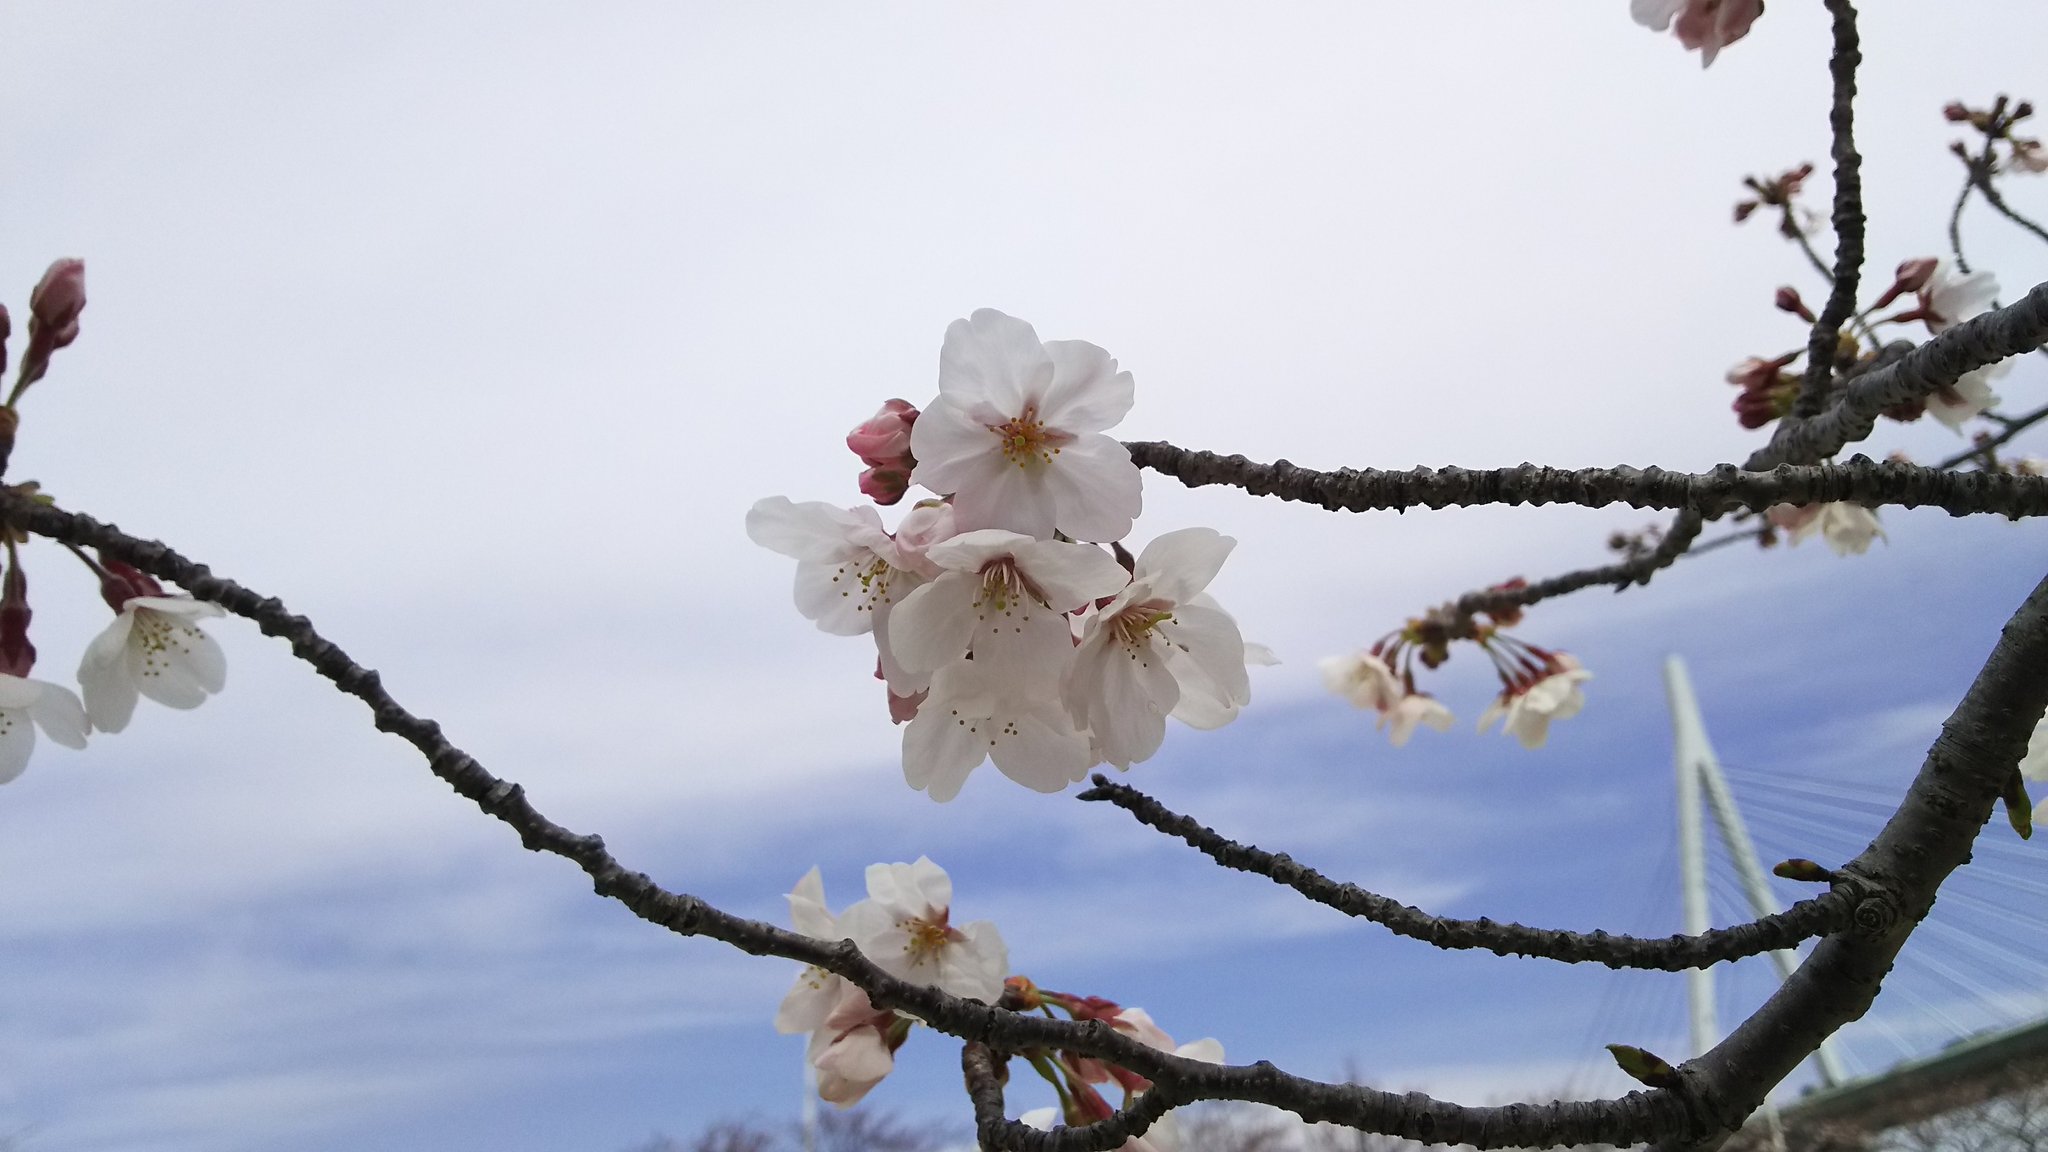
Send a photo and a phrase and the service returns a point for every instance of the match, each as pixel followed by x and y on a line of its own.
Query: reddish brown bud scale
pixel 122 583
pixel 17 655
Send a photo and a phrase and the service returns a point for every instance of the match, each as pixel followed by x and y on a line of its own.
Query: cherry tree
pixel 1026 615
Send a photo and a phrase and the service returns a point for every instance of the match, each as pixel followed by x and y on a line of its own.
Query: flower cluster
pixel 1077 1079
pixel 1004 628
pixel 153 648
pixel 1537 685
pixel 1938 295
pixel 2022 153
pixel 905 927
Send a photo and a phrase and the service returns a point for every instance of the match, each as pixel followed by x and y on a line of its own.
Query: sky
pixel 472 331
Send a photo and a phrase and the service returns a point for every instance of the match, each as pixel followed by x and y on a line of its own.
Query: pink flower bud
pixel 120 583
pixel 1754 373
pixel 1913 273
pixel 17 655
pixel 884 438
pixel 55 303
pixel 1955 112
pixel 1757 407
pixel 1788 300
pixel 885 486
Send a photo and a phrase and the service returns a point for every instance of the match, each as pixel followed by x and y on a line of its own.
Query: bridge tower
pixel 1700 777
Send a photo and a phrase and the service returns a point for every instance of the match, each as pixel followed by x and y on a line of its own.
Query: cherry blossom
pixel 1155 641
pixel 975 714
pixel 854 1047
pixel 816 992
pixel 1139 1025
pixel 1002 594
pixel 905 927
pixel 1362 678
pixel 1949 297
pixel 1960 402
pixel 1417 709
pixel 26 705
pixel 849 572
pixel 1016 435
pixel 1205 704
pixel 1705 25
pixel 154 648
pixel 1527 709
pixel 1847 528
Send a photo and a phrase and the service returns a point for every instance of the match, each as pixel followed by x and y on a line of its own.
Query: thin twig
pixel 1991 195
pixel 1822 914
pixel 1630 1119
pixel 1955 214
pixel 982 1071
pixel 1822 345
pixel 2013 427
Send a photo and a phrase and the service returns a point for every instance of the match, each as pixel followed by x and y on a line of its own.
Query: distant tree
pixel 857 1130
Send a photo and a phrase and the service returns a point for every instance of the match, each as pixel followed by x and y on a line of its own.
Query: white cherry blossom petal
pixel 1182 563
pixel 1071 575
pixel 17 742
pixel 953 448
pixel 1412 711
pixel 1210 638
pixel 934 624
pixel 813 530
pixel 1043 752
pixel 939 752
pixel 1654 14
pixel 807 911
pixel 1087 393
pixel 994 357
pixel 109 690
pixel 1096 489
pixel 58 712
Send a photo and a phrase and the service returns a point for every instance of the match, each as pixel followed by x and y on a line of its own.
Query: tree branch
pixel 1707 493
pixel 980 1068
pixel 1803 921
pixel 1633 1118
pixel 1930 835
pixel 2013 427
pixel 1985 188
pixel 1822 345
pixel 2018 327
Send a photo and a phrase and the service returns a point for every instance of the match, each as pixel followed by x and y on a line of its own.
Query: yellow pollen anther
pixel 1026 443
